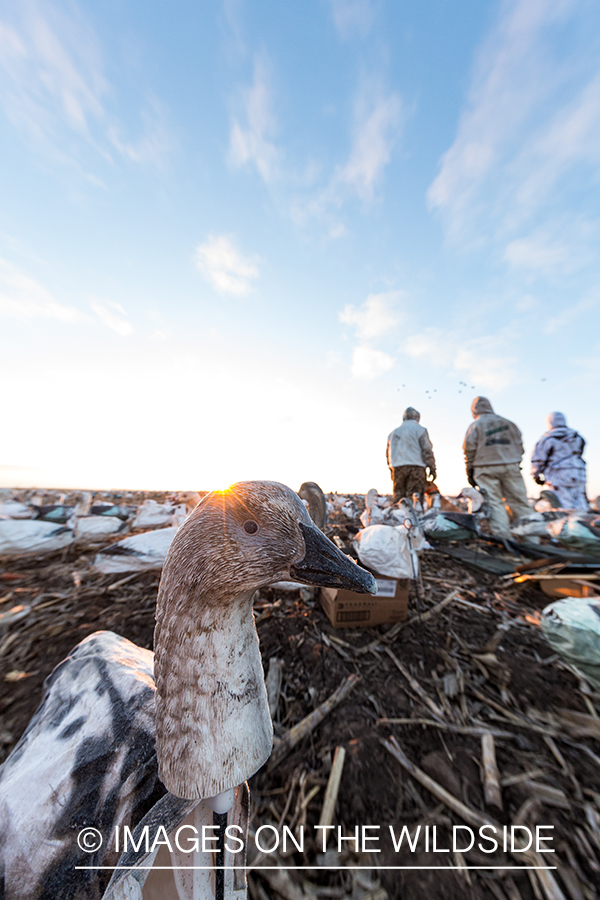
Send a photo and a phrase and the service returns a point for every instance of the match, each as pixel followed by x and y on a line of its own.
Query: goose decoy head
pixel 213 726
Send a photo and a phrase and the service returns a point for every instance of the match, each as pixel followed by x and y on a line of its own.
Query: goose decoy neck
pixel 213 727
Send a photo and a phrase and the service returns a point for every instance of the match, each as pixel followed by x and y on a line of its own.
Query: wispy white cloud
pixel 536 252
pixel 235 45
pixel 527 303
pixel 375 318
pixel 482 363
pixel 557 323
pixel 352 17
pixel 377 124
pixel 252 142
pixel 570 137
pixel 510 81
pixel 51 75
pixel 225 267
pixel 377 315
pixel 309 189
pixel 113 316
pixel 429 344
pixel 368 363
pixel 24 298
pixel 156 142
pixel 54 90
pixel 528 140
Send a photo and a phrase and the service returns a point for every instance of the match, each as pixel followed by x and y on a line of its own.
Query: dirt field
pixel 478 665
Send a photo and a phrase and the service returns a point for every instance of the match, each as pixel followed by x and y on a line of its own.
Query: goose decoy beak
pixel 323 564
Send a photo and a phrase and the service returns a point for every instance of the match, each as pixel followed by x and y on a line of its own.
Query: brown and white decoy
pixel 125 737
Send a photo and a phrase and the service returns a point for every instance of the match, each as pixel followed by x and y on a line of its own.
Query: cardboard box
pixel 347 609
pixel 556 587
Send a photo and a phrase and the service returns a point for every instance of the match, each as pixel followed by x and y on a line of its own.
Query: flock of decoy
pixel 147 531
pixel 127 737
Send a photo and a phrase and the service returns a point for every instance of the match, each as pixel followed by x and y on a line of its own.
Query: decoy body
pixel 111 510
pixel 46 529
pixel 536 523
pixel 158 515
pixel 123 737
pixel 474 498
pixel 61 514
pixel 14 509
pixel 93 528
pixel 138 553
pixel 21 537
pixel 449 526
pixel 579 532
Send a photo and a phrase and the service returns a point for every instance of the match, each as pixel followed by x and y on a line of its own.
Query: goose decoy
pixel 438 525
pixel 579 532
pixel 138 553
pixel 157 515
pixel 20 537
pixel 350 510
pixel 61 514
pixel 536 523
pixel 317 505
pixel 551 497
pixel 14 509
pixel 123 737
pixel 372 513
pixel 338 500
pixel 190 499
pixel 93 528
pixel 111 510
pixel 103 519
pixel 474 498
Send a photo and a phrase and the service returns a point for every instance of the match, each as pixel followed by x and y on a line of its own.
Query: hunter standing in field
pixel 409 455
pixel 493 450
pixel 557 463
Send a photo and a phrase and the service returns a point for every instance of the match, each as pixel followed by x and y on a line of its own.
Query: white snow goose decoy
pixel 61 514
pixel 125 737
pixel 439 525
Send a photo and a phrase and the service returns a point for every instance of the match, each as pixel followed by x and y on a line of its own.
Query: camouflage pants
pixel 503 484
pixel 408 480
pixel 569 485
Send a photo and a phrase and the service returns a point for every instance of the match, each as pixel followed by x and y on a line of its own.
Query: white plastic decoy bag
pixel 385 549
pixel 572 628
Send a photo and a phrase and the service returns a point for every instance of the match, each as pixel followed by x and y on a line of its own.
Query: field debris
pixel 461 717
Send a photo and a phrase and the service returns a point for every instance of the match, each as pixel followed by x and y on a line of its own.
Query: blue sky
pixel 238 239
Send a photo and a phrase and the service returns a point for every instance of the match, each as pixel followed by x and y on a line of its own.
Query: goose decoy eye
pixel 250 527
